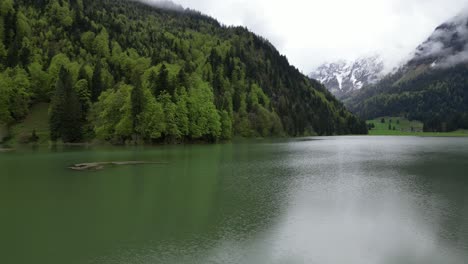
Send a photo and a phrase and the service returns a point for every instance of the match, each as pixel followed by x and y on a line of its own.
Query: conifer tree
pixel 137 100
pixel 162 81
pixel 96 82
pixel 65 113
pixel 153 83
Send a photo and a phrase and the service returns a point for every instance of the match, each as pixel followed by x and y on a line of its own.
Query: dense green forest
pixel 122 71
pixel 436 96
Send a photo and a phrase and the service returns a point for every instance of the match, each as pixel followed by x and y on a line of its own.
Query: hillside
pixel 124 71
pixel 432 87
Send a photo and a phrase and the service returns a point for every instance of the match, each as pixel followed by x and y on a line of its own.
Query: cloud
pixel 166 4
pixel 311 32
pixel 448 44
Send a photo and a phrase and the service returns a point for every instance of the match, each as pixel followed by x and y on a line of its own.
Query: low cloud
pixel 448 44
pixel 164 4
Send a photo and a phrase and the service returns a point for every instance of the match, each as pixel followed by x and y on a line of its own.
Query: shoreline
pixel 12 147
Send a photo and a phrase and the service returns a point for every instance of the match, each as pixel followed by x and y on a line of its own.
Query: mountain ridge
pixel 432 86
pixel 344 77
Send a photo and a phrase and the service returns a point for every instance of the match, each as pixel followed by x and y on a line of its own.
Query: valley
pixel 432 86
pixel 248 132
pixel 397 126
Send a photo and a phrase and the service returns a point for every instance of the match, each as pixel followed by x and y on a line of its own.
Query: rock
pixel 102 165
pixel 6 150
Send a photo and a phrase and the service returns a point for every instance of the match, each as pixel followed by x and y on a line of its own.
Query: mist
pixel 448 44
pixel 164 4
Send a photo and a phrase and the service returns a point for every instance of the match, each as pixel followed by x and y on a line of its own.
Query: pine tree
pixel 137 99
pixel 182 78
pixel 65 114
pixel 82 74
pixel 13 53
pixel 162 83
pixel 97 85
pixel 153 83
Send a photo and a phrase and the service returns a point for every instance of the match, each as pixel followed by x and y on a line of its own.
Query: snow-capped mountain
pixel 430 87
pixel 343 77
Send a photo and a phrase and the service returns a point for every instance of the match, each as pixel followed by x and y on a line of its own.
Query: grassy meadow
pixel 398 126
pixel 37 121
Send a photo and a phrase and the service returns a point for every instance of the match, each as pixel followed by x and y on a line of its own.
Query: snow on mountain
pixel 343 77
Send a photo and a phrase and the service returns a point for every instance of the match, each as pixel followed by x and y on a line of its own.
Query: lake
pixel 325 200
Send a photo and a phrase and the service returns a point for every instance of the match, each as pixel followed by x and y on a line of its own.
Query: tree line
pixel 121 71
pixel 438 97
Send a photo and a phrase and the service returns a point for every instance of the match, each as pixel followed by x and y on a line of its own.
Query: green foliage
pixel 14 95
pixel 6 6
pixel 87 39
pixel 40 82
pixel 136 73
pixel 111 116
pixel 58 61
pixel 37 120
pixel 152 119
pixel 101 44
pixel 437 97
pixel 172 131
pixel 82 90
pixel 205 121
pixel 60 12
pixel 182 113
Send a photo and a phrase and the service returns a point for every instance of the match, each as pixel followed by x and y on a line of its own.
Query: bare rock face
pixel 343 77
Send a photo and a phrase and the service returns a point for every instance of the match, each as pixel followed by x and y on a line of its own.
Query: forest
pixel 438 97
pixel 122 71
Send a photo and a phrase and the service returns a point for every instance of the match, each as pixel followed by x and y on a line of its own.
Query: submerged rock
pixel 102 165
pixel 6 149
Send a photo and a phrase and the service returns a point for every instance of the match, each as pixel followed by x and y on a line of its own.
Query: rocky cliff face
pixel 344 77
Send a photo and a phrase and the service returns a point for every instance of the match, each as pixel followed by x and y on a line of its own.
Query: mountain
pixel 431 87
pixel 125 71
pixel 343 77
pixel 447 46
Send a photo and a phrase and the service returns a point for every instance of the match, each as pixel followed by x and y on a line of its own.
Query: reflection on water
pixel 334 200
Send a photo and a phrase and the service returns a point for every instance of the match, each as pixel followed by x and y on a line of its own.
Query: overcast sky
pixel 310 32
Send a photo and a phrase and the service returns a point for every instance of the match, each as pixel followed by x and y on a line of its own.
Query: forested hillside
pixel 122 71
pixel 432 87
pixel 437 97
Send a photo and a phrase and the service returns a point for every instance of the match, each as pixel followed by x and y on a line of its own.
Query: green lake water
pixel 353 200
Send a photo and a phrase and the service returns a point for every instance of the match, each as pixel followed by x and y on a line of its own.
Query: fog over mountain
pixel 447 46
pixel 313 32
pixel 431 86
pixel 165 4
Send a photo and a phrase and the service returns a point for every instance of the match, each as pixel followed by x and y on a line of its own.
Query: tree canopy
pixel 124 71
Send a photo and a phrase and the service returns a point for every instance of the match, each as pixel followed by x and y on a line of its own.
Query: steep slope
pixel 343 77
pixel 432 87
pixel 126 71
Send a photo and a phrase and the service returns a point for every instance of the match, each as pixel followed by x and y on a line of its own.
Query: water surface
pixel 319 200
